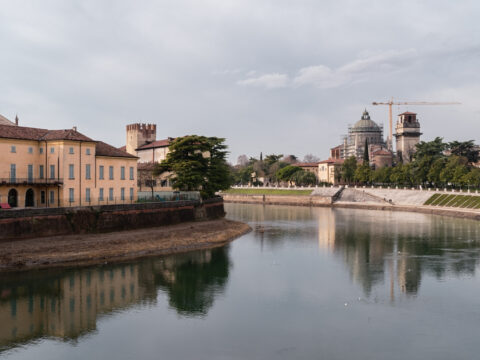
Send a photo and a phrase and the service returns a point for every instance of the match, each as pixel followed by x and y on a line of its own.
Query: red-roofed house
pixel 328 170
pixel 51 168
pixel 142 142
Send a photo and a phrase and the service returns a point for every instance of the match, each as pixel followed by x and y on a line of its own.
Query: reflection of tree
pixel 193 280
pixel 400 247
pixel 65 304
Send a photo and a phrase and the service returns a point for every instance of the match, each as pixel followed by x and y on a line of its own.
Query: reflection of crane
pixel 391 102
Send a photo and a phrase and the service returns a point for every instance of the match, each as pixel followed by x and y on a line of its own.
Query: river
pixel 306 283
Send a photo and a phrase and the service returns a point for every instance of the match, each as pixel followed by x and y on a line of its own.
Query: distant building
pixel 364 130
pixel 51 168
pixel 329 171
pixel 142 142
pixel 407 133
pixel 310 167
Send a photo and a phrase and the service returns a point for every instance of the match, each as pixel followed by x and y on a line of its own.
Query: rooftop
pixel 104 149
pixel 157 144
pixel 29 133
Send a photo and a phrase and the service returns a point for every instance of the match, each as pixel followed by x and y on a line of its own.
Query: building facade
pixel 407 134
pixel 142 142
pixel 329 171
pixel 363 131
pixel 55 168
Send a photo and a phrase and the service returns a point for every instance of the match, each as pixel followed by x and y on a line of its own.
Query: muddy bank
pixel 86 249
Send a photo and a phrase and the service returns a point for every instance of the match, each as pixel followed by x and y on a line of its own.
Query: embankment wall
pixel 29 223
pixel 279 199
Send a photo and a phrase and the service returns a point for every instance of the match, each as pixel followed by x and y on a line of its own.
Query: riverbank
pixel 361 198
pixel 88 249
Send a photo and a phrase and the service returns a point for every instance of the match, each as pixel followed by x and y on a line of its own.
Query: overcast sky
pixel 273 76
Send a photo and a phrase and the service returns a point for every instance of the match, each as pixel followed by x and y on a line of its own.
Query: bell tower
pixel 407 134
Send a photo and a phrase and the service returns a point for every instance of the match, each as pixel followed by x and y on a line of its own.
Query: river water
pixel 306 283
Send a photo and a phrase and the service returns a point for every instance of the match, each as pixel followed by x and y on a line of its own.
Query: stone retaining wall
pixel 28 223
pixel 279 199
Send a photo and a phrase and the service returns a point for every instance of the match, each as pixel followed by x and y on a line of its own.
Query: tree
pixel 303 178
pixel 363 174
pixel 366 159
pixel 466 149
pixel 198 163
pixel 287 172
pixel 242 160
pixel 309 158
pixel 290 159
pixel 433 149
pixel 348 169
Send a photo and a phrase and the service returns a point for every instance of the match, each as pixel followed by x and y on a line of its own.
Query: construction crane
pixel 391 102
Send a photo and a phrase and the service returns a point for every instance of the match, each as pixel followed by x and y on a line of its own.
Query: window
pixel 30 172
pixel 122 194
pixel 110 172
pixel 87 172
pixel 131 173
pixel 71 170
pixel 52 150
pixel 71 195
pixel 110 194
pixel 100 194
pixel 70 151
pixel 40 172
pixel 13 172
pixel 30 150
pixel 52 197
pixel 40 150
pixel 87 194
pixel 42 197
pixel 87 151
pixel 100 172
pixel 52 171
pixel 13 149
pixel 131 194
pixel 122 173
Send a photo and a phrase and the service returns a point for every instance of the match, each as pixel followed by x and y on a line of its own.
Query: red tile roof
pixel 28 133
pixel 381 152
pixel 157 144
pixel 332 161
pixel 407 113
pixel 312 164
pixel 103 149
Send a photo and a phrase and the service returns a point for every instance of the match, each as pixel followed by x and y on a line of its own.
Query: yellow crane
pixel 390 122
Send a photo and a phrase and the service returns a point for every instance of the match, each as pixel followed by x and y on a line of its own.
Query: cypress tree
pixel 366 159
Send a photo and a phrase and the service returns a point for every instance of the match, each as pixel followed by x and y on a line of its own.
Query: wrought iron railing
pixel 29 181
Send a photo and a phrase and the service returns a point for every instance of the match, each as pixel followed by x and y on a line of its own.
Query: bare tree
pixel 242 160
pixel 290 159
pixel 309 158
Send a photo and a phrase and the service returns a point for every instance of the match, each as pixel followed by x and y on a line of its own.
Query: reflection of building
pixel 49 168
pixel 65 307
pixel 326 230
pixel 67 304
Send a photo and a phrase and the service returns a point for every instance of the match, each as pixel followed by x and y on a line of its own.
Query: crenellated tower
pixel 138 135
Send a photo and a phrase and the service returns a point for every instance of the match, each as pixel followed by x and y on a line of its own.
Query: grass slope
pixel 449 200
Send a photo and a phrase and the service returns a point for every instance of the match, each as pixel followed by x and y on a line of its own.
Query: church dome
pixel 365 124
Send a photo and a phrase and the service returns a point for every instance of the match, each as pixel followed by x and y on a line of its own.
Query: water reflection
pixel 67 304
pixel 378 247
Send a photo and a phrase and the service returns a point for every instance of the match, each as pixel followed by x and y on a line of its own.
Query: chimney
pixel 16 120
pixel 74 128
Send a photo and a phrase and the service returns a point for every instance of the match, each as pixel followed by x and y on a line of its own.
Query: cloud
pixel 355 71
pixel 268 81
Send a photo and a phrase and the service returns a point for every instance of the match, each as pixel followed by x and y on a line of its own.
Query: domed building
pixel 364 130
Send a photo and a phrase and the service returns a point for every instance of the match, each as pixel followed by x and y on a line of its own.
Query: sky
pixel 271 76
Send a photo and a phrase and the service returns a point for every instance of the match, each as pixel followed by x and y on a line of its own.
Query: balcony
pixel 11 181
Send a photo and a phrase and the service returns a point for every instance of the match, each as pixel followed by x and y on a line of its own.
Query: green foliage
pixel 286 173
pixel 363 174
pixel 432 149
pixel 348 169
pixel 198 163
pixel 303 178
pixel 366 159
pixel 464 149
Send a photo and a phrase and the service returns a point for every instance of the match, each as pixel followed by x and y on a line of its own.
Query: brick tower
pixel 138 135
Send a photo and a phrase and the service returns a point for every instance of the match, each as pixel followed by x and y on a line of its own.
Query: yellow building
pixel 328 170
pixel 51 168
